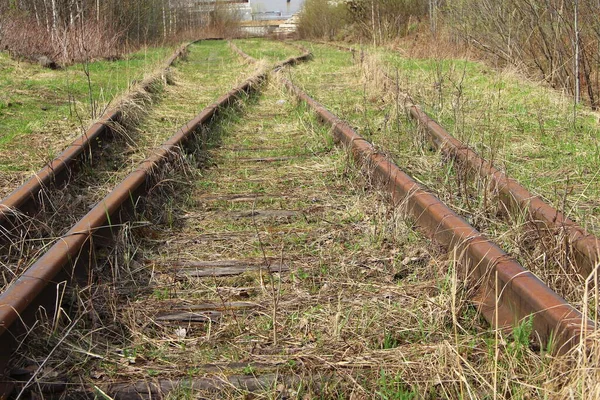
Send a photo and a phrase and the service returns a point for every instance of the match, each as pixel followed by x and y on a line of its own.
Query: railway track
pixel 286 269
pixel 44 208
pixel 583 247
pixel 562 254
pixel 26 200
pixel 73 255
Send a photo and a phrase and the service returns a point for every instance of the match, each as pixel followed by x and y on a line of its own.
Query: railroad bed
pixel 269 261
pixel 149 117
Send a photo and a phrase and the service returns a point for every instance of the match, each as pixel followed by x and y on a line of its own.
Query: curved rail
pixel 241 53
pixel 71 256
pixel 508 293
pixel 306 55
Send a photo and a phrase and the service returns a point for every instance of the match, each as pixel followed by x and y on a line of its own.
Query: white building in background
pixel 241 8
pixel 259 17
pixel 278 9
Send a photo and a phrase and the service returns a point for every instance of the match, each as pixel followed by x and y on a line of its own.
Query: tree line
pixel 556 40
pixel 71 30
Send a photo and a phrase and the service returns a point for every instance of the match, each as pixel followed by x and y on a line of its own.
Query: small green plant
pixel 301 274
pixel 161 294
pixel 249 370
pixel 521 335
pixel 389 341
pixel 392 388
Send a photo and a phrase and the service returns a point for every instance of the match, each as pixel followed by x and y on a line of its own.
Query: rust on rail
pixel 241 53
pixel 520 293
pixel 25 198
pixel 71 254
pixel 585 247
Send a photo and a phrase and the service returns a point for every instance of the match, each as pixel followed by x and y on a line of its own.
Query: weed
pixel 521 336
pixel 161 294
pixel 31 129
pixel 389 341
pixel 393 388
pixel 249 370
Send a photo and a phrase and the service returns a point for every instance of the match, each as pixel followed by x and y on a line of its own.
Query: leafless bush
pixel 224 21
pixel 76 30
pixel 374 20
pixel 322 20
pixel 24 38
pixel 382 20
pixel 557 39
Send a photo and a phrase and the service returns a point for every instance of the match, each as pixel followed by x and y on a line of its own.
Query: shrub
pixel 373 20
pixel 382 20
pixel 66 31
pixel 556 40
pixel 23 37
pixel 320 19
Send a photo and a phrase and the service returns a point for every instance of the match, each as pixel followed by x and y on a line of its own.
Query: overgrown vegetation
pixel 272 52
pixel 159 115
pixel 42 110
pixel 524 128
pixel 66 31
pixel 322 20
pixel 556 41
pixel 375 21
pixel 452 88
pixel 368 308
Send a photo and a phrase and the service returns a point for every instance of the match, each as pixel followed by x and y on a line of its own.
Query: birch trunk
pixel 37 15
pixel 54 18
pixel 164 18
pixel 576 66
pixel 46 16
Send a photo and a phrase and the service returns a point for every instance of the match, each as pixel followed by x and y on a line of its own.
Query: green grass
pixel 340 312
pixel 41 110
pixel 272 51
pixel 531 131
pixel 351 92
pixel 348 90
pixel 210 70
pixel 393 388
pixel 524 127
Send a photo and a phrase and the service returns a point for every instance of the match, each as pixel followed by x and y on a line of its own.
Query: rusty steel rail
pixel 24 199
pixel 241 53
pixel 584 247
pixel 507 293
pixel 72 255
pixel 306 55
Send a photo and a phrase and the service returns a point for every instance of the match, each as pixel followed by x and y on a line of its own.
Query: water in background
pixel 274 7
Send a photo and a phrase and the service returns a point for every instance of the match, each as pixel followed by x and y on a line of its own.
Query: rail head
pixel 24 198
pixel 522 294
pixel 18 301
